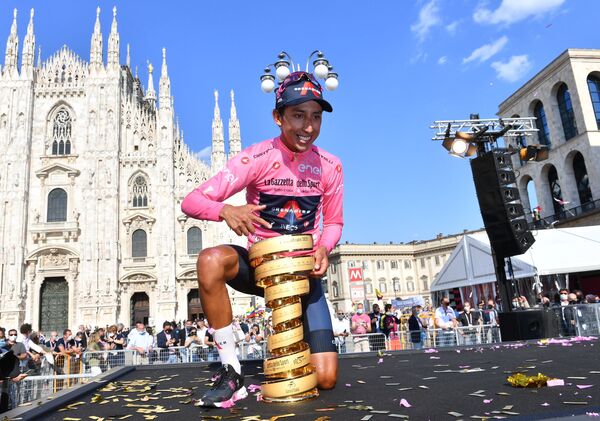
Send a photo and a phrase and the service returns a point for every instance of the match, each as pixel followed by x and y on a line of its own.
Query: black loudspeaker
pixel 500 203
pixel 528 324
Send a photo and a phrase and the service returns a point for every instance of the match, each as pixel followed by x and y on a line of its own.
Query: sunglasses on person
pixel 295 77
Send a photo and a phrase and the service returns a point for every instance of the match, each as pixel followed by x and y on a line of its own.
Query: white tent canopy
pixel 560 250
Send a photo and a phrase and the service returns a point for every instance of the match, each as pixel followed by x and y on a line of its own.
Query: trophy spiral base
pixel 290 376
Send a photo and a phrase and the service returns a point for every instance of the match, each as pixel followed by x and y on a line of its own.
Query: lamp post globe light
pixel 284 65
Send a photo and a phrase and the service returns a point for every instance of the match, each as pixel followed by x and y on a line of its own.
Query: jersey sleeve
pixel 206 201
pixel 333 212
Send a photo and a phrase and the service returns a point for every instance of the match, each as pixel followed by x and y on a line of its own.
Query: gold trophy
pixel 290 376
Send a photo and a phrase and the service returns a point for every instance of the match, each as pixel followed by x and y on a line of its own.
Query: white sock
pixel 225 342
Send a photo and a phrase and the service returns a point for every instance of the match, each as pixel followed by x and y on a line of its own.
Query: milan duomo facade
pixel 92 174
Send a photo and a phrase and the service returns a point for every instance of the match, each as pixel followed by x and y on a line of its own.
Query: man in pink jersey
pixel 292 187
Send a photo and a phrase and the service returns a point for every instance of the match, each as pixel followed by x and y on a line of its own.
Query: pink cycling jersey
pixel 297 188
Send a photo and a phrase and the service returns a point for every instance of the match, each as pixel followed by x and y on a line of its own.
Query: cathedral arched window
pixel 567 115
pixel 335 289
pixel 594 88
pixel 140 192
pixel 57 206
pixel 139 244
pixel 541 124
pixel 194 240
pixel 61 133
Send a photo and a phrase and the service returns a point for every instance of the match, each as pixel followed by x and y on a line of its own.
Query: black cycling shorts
pixel 318 331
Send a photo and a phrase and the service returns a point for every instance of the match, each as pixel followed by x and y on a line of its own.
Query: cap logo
pixel 308 87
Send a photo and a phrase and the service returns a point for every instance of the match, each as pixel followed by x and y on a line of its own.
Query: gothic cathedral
pixel 92 174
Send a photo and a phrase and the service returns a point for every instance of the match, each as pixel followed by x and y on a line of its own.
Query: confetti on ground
pixel 404 403
pixel 575 403
pixel 455 414
pixel 555 382
pixel 584 386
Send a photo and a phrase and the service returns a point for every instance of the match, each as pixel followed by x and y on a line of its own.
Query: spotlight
pixel 460 145
pixel 534 153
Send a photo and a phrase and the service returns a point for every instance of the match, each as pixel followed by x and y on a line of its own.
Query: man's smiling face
pixel 300 125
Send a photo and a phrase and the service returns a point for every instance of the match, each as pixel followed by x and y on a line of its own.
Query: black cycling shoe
pixel 228 387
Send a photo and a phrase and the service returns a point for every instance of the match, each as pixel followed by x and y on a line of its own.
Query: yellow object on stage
pixel 290 376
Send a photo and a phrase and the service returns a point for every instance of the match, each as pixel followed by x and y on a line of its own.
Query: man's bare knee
pixel 326 382
pixel 214 264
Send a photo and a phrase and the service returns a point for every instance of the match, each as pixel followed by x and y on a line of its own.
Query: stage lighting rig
pixel 464 138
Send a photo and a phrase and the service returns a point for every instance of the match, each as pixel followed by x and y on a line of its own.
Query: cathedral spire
pixel 128 60
pixel 150 92
pixel 113 44
pixel 218 139
pixel 164 88
pixel 12 47
pixel 235 141
pixel 28 48
pixel 96 45
pixel 39 59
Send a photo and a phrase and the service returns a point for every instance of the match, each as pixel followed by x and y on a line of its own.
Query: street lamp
pixel 284 65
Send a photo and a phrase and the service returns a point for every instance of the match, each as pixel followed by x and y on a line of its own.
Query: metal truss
pixel 521 126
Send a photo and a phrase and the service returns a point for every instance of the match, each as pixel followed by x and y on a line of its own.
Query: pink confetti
pixel 404 403
pixel 592 414
pixel 487 400
pixel 545 404
pixel 464 366
pixel 584 386
pixel 434 358
pixel 457 351
pixel 431 351
pixel 348 385
pixel 555 382
pixel 259 397
pixel 380 361
pixel 253 388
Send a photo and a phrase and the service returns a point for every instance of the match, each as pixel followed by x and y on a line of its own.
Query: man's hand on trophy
pixel 241 219
pixel 321 261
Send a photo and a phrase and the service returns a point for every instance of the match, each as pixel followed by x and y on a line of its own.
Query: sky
pixel 401 65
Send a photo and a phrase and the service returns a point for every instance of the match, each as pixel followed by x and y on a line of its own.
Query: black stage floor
pixel 451 384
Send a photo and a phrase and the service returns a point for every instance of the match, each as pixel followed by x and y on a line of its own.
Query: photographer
pixel 341 330
pixel 253 338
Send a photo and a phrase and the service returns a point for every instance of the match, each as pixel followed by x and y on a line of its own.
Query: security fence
pixel 39 387
pixel 576 320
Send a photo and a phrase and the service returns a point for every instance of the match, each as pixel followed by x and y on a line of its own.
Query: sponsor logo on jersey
pixel 310 169
pixel 245 160
pixel 289 214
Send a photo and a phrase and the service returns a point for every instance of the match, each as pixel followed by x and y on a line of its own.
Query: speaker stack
pixel 500 203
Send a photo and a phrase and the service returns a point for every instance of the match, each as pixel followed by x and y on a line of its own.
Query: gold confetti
pixel 276 417
pixel 521 380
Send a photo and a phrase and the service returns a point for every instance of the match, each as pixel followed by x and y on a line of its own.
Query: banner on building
pixel 417 300
pixel 357 292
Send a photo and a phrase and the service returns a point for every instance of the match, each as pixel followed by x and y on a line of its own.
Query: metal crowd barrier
pixel 39 387
pixel 577 320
